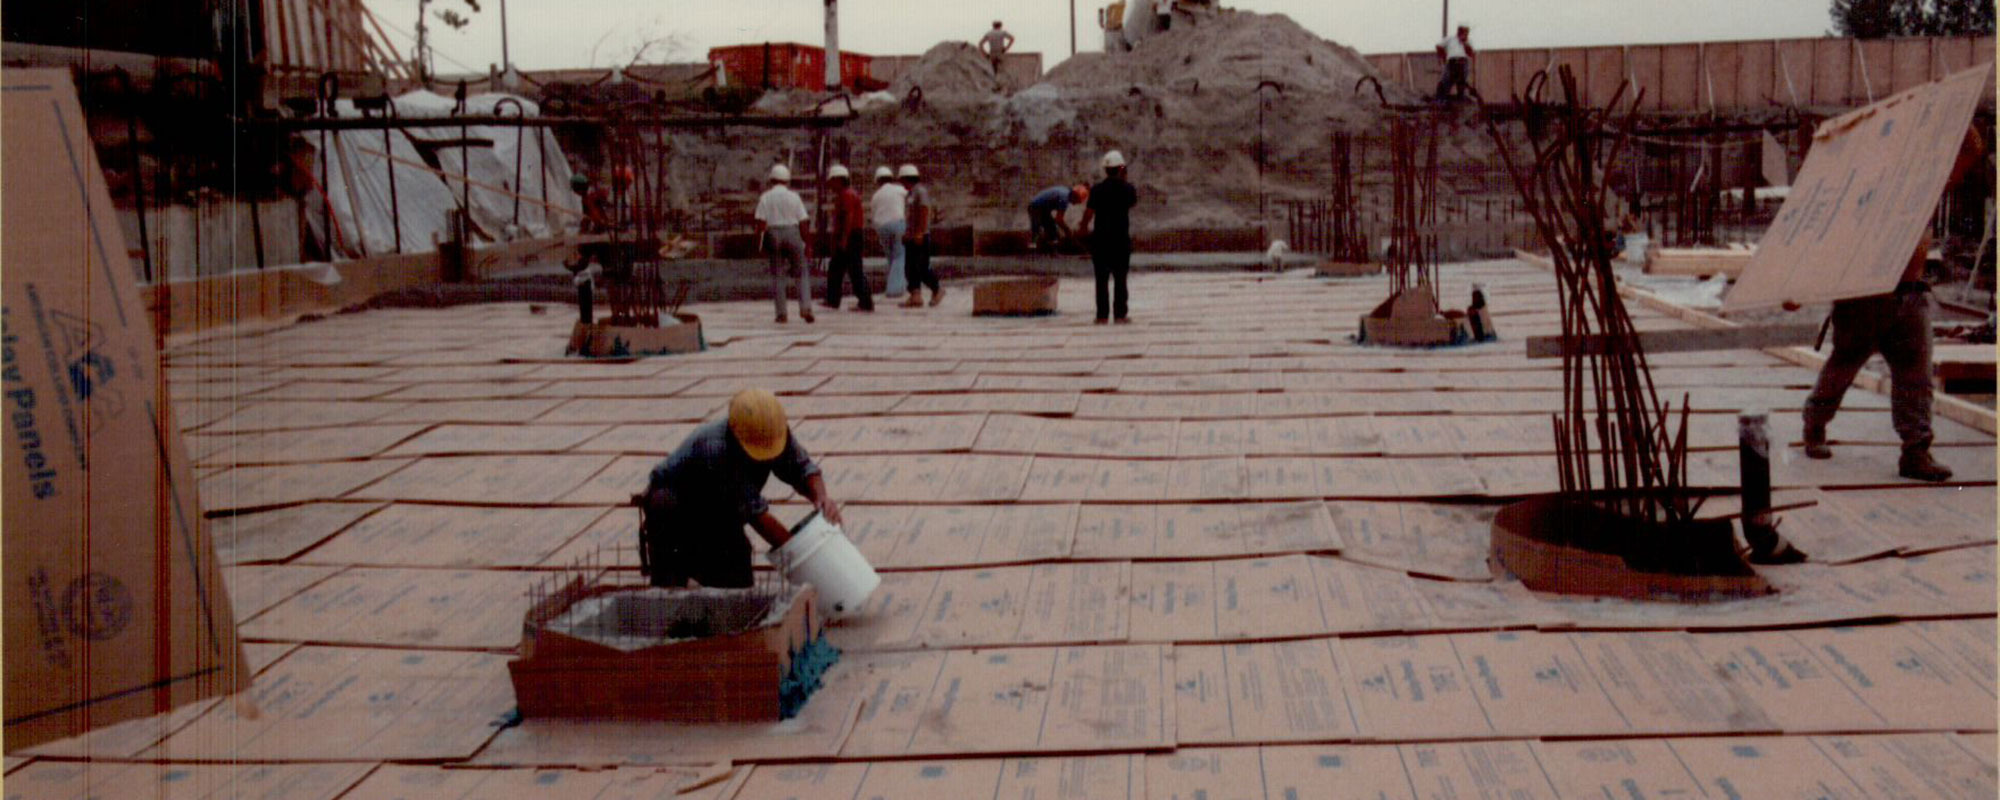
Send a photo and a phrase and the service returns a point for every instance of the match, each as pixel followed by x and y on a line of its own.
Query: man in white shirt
pixel 885 212
pixel 994 45
pixel 1456 52
pixel 780 212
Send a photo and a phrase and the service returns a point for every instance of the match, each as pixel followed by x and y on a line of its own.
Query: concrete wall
pixel 1720 76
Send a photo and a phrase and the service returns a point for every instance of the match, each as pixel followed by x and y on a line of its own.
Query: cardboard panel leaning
pixel 116 608
pixel 1862 198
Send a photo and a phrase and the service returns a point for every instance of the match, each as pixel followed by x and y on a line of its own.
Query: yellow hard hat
pixel 758 422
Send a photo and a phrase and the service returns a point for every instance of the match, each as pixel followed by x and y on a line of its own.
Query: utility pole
pixel 832 46
pixel 423 53
pixel 506 64
pixel 1072 27
pixel 1444 21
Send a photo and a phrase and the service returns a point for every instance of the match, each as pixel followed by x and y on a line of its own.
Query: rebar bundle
pixel 1348 242
pixel 1413 242
pixel 637 153
pixel 1613 443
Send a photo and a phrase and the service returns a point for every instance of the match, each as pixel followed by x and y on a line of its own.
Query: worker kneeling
pixel 698 499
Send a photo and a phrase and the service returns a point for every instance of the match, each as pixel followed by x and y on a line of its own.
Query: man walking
pixel 698 499
pixel 844 243
pixel 1110 206
pixel 780 212
pixel 1456 53
pixel 885 209
pixel 1897 325
pixel 918 215
pixel 1046 225
pixel 994 45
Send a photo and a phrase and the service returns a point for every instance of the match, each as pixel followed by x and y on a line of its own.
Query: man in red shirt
pixel 844 242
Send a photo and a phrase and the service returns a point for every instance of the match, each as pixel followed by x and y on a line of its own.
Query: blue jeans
pixel 892 246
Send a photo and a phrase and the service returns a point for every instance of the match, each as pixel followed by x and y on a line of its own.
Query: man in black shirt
pixel 1110 206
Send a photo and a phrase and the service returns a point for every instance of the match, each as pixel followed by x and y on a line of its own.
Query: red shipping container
pixel 785 65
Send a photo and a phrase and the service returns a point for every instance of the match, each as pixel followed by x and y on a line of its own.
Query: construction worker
pixel 994 45
pixel 1046 226
pixel 596 220
pixel 699 498
pixel 1456 53
pixel 1110 206
pixel 1897 325
pixel 780 212
pixel 885 210
pixel 918 215
pixel 844 243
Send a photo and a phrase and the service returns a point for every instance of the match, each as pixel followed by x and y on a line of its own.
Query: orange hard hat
pixel 1081 191
pixel 622 176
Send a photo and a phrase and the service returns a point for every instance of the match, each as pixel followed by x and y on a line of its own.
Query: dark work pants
pixel 845 266
pixel 683 543
pixel 1454 81
pixel 917 263
pixel 1042 227
pixel 1899 327
pixel 1112 261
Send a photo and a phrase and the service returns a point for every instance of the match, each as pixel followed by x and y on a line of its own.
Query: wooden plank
pixel 1699 261
pixel 1683 341
pixel 1949 407
pixel 1680 84
pixel 1756 75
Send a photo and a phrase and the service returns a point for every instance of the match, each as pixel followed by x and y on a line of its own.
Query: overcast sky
pixel 548 34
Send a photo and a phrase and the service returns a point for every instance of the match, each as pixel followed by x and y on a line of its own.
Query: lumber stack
pixel 1699 262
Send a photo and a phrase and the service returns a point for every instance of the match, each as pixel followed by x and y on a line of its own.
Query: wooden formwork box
pixel 1347 269
pixel 1412 319
pixel 729 678
pixel 1015 297
pixel 598 340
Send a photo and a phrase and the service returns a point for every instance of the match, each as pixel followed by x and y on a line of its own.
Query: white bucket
pixel 819 554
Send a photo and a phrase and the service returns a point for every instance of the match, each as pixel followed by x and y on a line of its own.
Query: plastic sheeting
pixel 358 178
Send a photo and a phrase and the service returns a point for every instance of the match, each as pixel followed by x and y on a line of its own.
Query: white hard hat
pixel 884 173
pixel 780 172
pixel 1114 159
pixel 838 171
pixel 907 171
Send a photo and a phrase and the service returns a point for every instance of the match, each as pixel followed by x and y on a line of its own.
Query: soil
pixel 1221 122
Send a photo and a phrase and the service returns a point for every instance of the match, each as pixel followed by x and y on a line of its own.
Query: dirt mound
pixel 1236 49
pixel 949 71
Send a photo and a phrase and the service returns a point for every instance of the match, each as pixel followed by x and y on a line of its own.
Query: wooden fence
pixel 1717 76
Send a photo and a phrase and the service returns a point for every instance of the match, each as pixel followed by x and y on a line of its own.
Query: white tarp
pixel 358 178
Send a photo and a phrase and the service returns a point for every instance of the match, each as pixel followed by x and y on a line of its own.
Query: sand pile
pixel 1234 51
pixel 951 71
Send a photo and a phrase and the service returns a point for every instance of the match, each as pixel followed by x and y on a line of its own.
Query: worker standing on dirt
pixel 994 45
pixel 885 210
pixel 699 498
pixel 844 243
pixel 1046 225
pixel 1110 206
pixel 918 215
pixel 780 212
pixel 1456 53
pixel 1897 325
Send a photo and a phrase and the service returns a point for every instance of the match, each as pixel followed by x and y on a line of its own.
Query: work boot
pixel 1816 446
pixel 916 299
pixel 1918 465
pixel 806 315
pixel 937 295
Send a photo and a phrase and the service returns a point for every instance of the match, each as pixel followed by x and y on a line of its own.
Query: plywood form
pixel 402 608
pixel 404 534
pixel 354 704
pixel 284 533
pixel 185 781
pixel 395 781
pixel 1249 469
